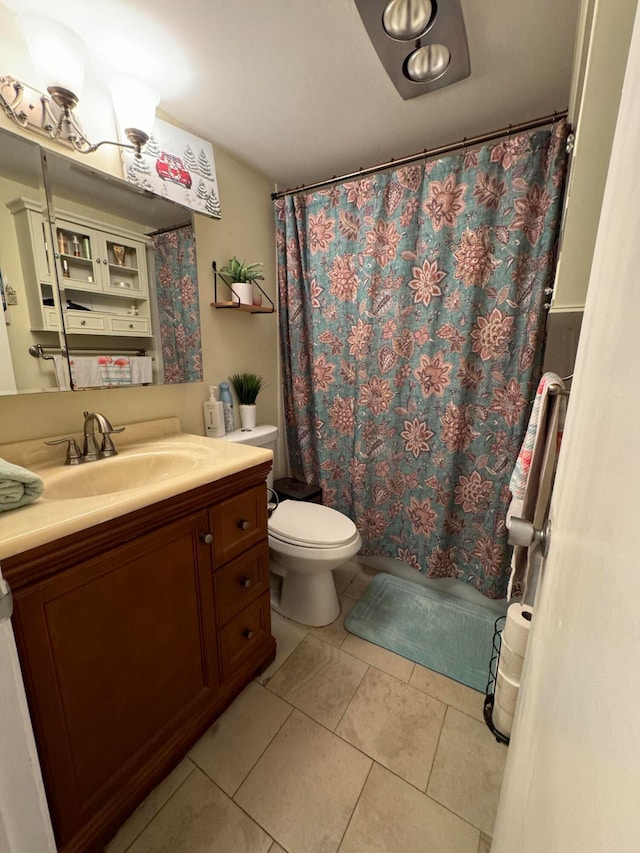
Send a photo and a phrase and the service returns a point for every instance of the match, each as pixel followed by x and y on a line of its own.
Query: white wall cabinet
pixel 102 274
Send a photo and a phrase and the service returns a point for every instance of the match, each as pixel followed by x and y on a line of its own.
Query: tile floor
pixel 339 746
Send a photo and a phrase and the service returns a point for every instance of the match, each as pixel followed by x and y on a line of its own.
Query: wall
pixel 232 341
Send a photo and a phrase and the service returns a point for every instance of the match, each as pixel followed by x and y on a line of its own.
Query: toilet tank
pixel 265 436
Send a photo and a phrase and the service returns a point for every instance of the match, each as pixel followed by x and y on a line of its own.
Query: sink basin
pixel 118 473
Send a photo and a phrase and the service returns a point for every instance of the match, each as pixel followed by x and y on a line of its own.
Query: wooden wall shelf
pixel 238 306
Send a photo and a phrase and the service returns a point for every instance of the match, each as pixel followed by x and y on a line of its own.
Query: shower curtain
pixel 178 306
pixel 412 325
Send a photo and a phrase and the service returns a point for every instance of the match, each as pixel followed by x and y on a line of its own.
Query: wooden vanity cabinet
pixel 133 636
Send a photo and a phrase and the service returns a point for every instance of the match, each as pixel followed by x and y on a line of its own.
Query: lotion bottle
pixel 213 415
pixel 227 402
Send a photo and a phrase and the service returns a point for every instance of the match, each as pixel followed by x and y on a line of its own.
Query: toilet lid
pixel 311 524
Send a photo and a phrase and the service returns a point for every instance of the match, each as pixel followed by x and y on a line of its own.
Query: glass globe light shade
pixel 406 19
pixel 428 62
pixel 134 103
pixel 56 52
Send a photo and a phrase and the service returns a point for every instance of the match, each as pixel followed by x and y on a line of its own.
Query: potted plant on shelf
pixel 242 277
pixel 247 387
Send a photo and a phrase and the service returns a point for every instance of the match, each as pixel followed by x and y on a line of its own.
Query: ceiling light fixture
pixel 58 59
pixel 421 43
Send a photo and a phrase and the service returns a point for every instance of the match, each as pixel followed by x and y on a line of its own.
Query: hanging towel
pixel 532 477
pixel 61 367
pixel 141 370
pixel 85 372
pixel 17 486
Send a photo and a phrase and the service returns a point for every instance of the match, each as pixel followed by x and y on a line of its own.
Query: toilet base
pixel 310 599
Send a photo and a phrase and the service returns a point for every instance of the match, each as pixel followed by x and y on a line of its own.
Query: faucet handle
pixel 73 457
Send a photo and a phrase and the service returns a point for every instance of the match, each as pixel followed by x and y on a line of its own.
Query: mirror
pixel 98 268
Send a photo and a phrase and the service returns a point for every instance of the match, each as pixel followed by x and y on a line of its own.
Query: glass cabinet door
pixel 78 255
pixel 125 267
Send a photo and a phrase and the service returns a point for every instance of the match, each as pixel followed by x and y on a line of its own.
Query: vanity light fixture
pixel 58 59
pixel 421 43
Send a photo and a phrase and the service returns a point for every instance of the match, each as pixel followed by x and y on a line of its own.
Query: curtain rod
pixel 433 152
pixel 169 228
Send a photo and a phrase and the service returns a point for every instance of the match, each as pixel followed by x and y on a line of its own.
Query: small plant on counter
pixel 247 386
pixel 241 272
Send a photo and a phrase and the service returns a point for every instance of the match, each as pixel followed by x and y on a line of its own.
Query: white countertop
pixel 47 519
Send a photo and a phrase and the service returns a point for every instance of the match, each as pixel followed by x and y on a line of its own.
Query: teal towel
pixel 17 486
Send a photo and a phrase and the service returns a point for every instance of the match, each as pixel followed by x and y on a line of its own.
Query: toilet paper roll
pixel 502 721
pixel 510 663
pixel 516 629
pixel 507 690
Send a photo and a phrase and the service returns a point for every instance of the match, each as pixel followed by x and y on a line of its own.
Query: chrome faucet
pixel 91 450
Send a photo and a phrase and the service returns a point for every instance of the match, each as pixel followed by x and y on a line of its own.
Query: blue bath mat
pixel 443 633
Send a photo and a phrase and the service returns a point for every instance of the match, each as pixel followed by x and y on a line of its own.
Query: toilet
pixel 307 541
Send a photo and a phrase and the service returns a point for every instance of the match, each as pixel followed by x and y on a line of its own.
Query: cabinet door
pixel 124 266
pixel 120 662
pixel 78 254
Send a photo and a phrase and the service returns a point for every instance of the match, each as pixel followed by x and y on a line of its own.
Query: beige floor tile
pixel 275 848
pixel 335 633
pixel 288 634
pixel 467 770
pixel 145 813
pixel 383 659
pixel 200 818
pixel 343 576
pixel 237 739
pixel 360 583
pixel 305 787
pixel 319 679
pixel 448 691
pixel 483 847
pixel 395 724
pixel 393 817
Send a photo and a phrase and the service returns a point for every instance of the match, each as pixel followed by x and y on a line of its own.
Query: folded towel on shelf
pixel 533 474
pixel 18 486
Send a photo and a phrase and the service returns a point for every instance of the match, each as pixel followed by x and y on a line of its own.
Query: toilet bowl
pixel 307 541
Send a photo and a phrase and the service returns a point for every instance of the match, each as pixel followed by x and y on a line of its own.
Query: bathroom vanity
pixel 135 631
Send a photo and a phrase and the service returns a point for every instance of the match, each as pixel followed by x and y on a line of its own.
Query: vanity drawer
pixel 238 523
pixel 129 325
pixel 84 321
pixel 245 633
pixel 240 581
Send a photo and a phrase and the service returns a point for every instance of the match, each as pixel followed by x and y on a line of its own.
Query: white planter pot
pixel 247 417
pixel 244 291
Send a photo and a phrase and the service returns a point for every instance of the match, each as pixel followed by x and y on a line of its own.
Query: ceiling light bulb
pixel 406 19
pixel 56 52
pixel 427 63
pixel 134 103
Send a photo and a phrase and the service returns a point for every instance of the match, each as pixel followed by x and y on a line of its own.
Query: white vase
pixel 244 291
pixel 247 417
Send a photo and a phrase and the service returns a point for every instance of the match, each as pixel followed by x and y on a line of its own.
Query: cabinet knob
pixel 243 524
pixel 245 582
pixel 131 325
pixel 207 538
pixel 97 260
pixel 104 261
pixel 247 633
pixel 83 322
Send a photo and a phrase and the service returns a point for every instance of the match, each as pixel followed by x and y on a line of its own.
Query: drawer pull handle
pixel 243 524
pixel 247 633
pixel 131 325
pixel 207 538
pixel 245 582
pixel 83 322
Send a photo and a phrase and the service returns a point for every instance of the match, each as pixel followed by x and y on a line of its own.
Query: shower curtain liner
pixel 412 326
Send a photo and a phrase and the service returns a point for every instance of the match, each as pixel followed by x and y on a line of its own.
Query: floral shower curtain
pixel 177 292
pixel 412 323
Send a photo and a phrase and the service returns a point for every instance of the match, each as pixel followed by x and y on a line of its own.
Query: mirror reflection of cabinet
pixel 103 275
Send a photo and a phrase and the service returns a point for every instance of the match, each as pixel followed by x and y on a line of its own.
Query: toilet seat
pixel 309 525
